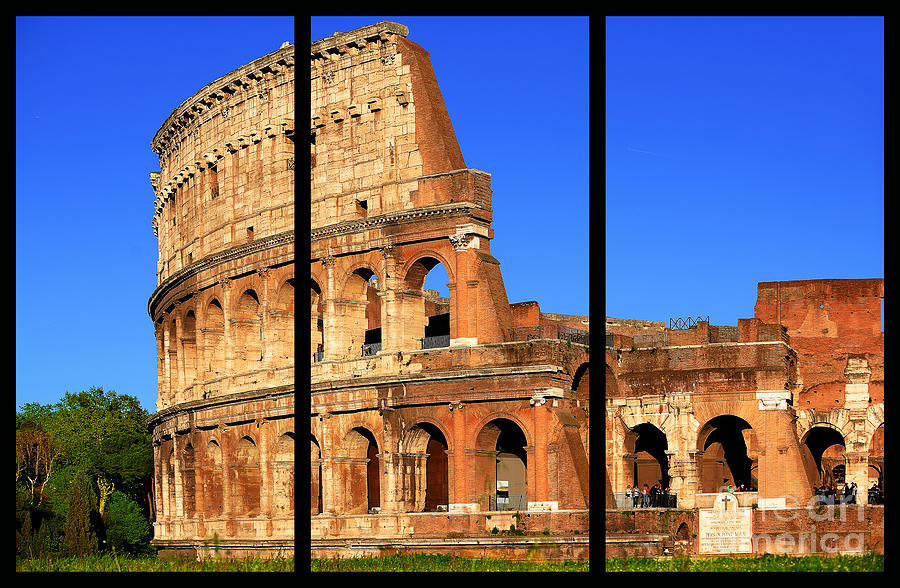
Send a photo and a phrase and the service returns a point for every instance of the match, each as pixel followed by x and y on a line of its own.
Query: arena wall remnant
pixel 781 404
pixel 223 314
pixel 432 419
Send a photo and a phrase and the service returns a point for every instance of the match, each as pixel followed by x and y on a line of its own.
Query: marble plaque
pixel 726 528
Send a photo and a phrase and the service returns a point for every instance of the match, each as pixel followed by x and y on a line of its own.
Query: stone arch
pixel 281 313
pixel 315 460
pixel 188 480
pixel 246 321
pixel 725 456
pixel 428 438
pixel 172 354
pixel 360 307
pixel 581 377
pixel 214 338
pixel 818 444
pixel 360 470
pixel 213 480
pixel 245 478
pixel 317 320
pixel 189 344
pixel 283 475
pixel 424 327
pixel 427 253
pixel 645 455
pixel 501 463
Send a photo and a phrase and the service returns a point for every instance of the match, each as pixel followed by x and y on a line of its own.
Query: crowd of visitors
pixel 832 494
pixel 655 496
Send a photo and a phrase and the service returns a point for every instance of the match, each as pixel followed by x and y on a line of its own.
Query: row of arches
pixel 728 452
pixel 229 330
pixel 367 312
pixel 421 470
pixel 209 483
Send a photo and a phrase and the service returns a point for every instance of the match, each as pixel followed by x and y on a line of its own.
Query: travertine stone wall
pixel 810 362
pixel 223 313
pixel 397 426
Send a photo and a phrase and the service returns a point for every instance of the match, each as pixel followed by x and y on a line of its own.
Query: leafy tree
pixel 127 529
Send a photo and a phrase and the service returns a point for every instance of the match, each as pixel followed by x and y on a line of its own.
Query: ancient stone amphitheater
pixel 451 424
pixel 223 314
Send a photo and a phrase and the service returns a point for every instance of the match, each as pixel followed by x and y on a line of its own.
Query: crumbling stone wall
pixel 399 424
pixel 812 358
pixel 223 313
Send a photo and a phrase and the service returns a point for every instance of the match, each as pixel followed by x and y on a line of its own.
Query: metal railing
pixel 370 349
pixel 687 322
pixel 436 341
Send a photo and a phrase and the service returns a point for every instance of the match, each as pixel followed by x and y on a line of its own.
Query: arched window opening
pixel 214 340
pixel 430 315
pixel 361 472
pixel 826 446
pixel 729 454
pixel 245 478
pixel 646 447
pixel 505 476
pixel 876 461
pixel 315 460
pixel 362 314
pixel 213 496
pixel 317 322
pixel 189 342
pixel 188 481
pixel 283 475
pixel 247 324
pixel 282 312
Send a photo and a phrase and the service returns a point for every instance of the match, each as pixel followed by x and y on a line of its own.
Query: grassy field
pixel 110 563
pixel 421 562
pixel 768 563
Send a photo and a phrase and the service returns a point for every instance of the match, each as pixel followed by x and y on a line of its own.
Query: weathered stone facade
pixel 223 312
pixel 780 403
pixel 429 416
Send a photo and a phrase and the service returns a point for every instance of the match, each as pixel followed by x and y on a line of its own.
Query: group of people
pixel 647 496
pixel 875 494
pixel 831 494
pixel 741 488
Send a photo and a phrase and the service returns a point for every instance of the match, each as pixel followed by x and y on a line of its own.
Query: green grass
pixel 110 563
pixel 422 562
pixel 872 562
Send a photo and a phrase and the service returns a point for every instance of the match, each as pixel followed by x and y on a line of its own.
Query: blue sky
pixel 90 94
pixel 517 93
pixel 740 150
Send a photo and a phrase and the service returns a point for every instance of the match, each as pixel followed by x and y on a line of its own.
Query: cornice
pixel 213 260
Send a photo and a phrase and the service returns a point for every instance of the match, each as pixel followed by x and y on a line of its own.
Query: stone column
pixel 856 400
pixel 459 500
pixel 227 327
pixel 331 337
pixel 539 491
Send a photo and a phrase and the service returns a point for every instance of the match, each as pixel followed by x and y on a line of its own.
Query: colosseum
pixel 451 424
pixel 223 314
pixel 778 416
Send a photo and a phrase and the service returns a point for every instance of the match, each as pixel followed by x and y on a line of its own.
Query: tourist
pixel 636 495
pixel 645 496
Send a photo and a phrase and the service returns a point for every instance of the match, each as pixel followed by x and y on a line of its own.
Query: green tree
pixel 79 535
pixel 127 529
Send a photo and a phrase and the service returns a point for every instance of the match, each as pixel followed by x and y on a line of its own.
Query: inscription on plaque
pixel 726 528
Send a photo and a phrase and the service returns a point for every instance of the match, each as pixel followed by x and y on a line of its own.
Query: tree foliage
pixel 75 459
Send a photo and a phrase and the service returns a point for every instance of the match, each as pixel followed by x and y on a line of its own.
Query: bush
pixel 127 529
